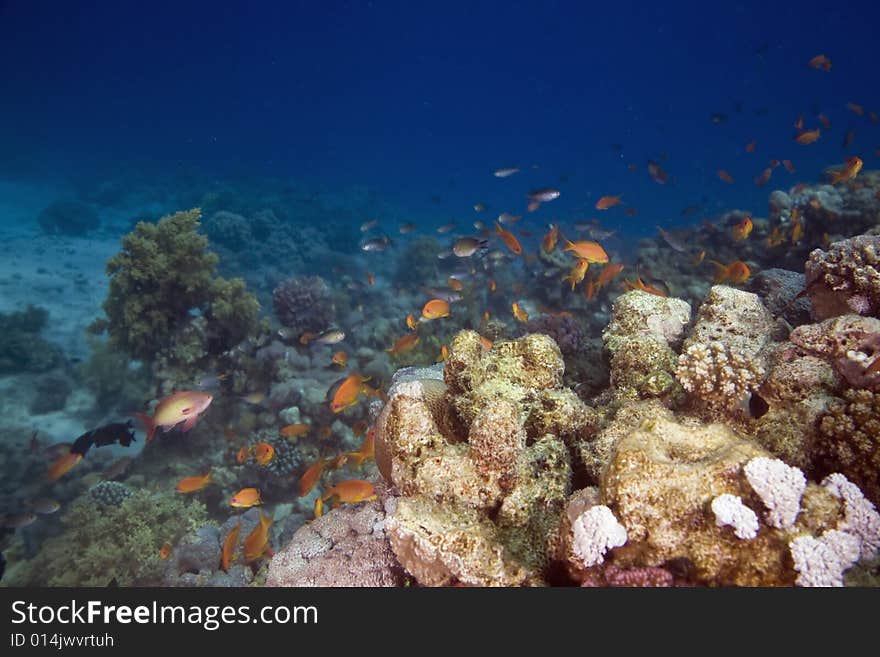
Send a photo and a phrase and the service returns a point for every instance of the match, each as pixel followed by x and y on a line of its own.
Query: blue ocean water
pixel 423 101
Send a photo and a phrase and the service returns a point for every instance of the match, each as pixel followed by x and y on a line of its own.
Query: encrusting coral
pixel 166 299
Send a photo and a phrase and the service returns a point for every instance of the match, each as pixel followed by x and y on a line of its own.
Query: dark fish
pixel 20 520
pixel 45 506
pixel 689 210
pixel 110 434
pixel 376 244
pixel 117 468
pixel 718 118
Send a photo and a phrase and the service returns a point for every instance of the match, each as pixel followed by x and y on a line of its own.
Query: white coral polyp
pixel 822 561
pixel 596 531
pixel 860 517
pixel 780 488
pixel 730 511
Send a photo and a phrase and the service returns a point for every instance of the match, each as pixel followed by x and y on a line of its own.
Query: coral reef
pixel 228 229
pixel 851 344
pixel 640 339
pixel 345 547
pixel 107 494
pixel 779 290
pixel 845 279
pixel 165 298
pixel 21 347
pixel 304 303
pixel 480 461
pixel 68 217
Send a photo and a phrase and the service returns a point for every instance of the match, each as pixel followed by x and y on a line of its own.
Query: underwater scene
pixel 439 294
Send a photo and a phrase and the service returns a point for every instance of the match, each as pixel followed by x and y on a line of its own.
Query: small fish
pixel 519 312
pixel 63 465
pixel 599 234
pixel 508 219
pixel 742 229
pixel 454 284
pixel 45 506
pixel 607 202
pixel 369 225
pixel 117 468
pixel 339 358
pixel 750 147
pixel 479 207
pixel 57 450
pixel 295 430
pixel 847 171
pixel 848 139
pixel 20 520
pixel 444 354
pixel 577 273
pixel 447 228
pixel 479 225
pixel 736 272
pixel 347 393
pixel 184 406
pixel 263 453
pixel 821 63
pixel 799 123
pixel 718 118
pixel 211 381
pixel 808 136
pixel 764 178
pixel 724 176
pixel 589 289
pixel 543 195
pixel 776 237
pixel 367 449
pixel 435 309
pixel 307 337
pixel 505 172
pixel 351 491
pixel 404 344
pixel 334 336
pixel 246 498
pixel 109 434
pixel 258 540
pixel 824 120
pixel 468 246
pixel 360 427
pixel 509 239
pixel 592 252
pixel 788 166
pixel 698 259
pixel 673 242
pixel 608 273
pixel 242 455
pixel 858 110
pixel 254 398
pixel 319 507
pixel 486 343
pixel 229 544
pixel 405 229
pixel 548 243
pixel 411 322
pixel 657 173
pixel 493 286
pixel 193 484
pixel 377 244
pixel 447 253
pixel 371 280
pixel 311 476
pixel 639 284
pixel 165 551
pixel 797 226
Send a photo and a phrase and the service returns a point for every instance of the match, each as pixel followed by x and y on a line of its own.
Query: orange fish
pixel 371 280
pixel 367 449
pixel 799 124
pixel 724 176
pixel 294 430
pixel 486 316
pixel 607 202
pixel 258 540
pixel 242 455
pixel 742 229
pixel 454 284
pixel 492 285
pixel 639 284
pixel 764 178
pixel 319 507
pixel 858 110
pixel 246 498
pixel 338 462
pixel 444 354
pixel 592 252
pixel 875 118
pixel 776 237
pixel 577 273
pixel 797 227
pixel 411 322
pixel 548 243
pixel 360 427
pixel 808 136
pixel 435 309
pixel 821 62
pixel 509 239
pixel 850 170
pixel 518 312
pixel 165 551
pixel 630 211
pixel 263 453
pixel 183 406
pixel 229 544
pixel 347 393
pixel 63 465
pixel 736 272
pixel 193 484
pixel 310 477
pixel 775 163
pixel 824 120
pixel 340 358
pixel 404 344
pixel 351 490
pixel 750 147
pixel 788 166
pixel 590 289
pixel 658 175
pixel 307 337
pixel 608 273
pixel 485 342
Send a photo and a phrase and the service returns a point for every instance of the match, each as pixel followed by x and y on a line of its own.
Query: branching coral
pixel 163 278
pixel 719 377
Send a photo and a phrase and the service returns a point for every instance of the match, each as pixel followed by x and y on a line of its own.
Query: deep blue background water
pixel 424 100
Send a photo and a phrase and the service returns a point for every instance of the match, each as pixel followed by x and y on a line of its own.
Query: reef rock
pixel 845 279
pixel 304 303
